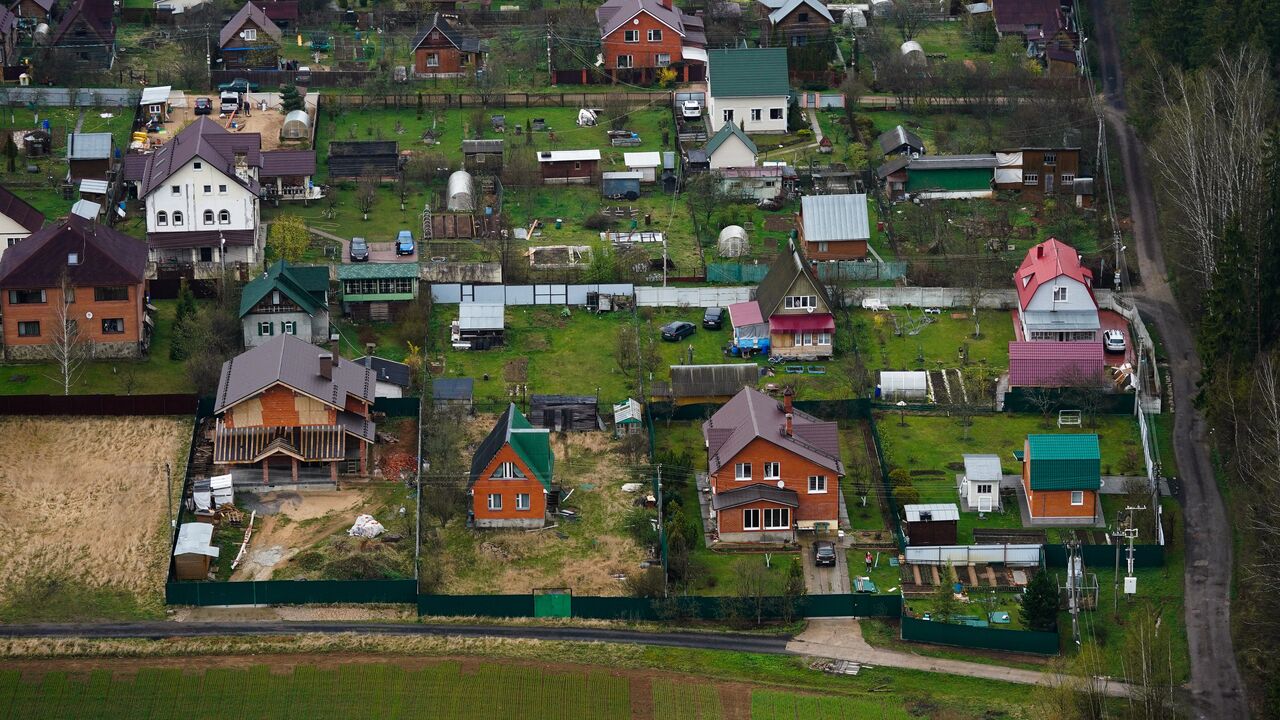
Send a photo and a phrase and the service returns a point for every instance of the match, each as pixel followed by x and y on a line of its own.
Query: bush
pixel 900 477
pixel 647 584
pixel 638 523
pixel 598 221
pixel 907 495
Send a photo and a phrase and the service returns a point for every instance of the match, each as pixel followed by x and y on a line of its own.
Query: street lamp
pixel 902 413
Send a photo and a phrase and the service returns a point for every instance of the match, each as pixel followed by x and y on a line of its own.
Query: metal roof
pixel 751 414
pixel 891 140
pixel 86 209
pixel 786 269
pixel 532 445
pixel 248 13
pixel 642 159
pixel 724 133
pixel 745 313
pixel 835 217
pixel 195 538
pixel 1065 462
pixel 295 363
pixel 755 493
pixel 374 270
pixel 89 146
pixel 952 162
pixel 937 512
pixel 453 388
pixel 107 256
pixel 450 33
pixel 983 467
pixel 568 155
pixel 748 72
pixel 153 95
pixel 781 13
pixel 387 371
pixel 93 187
pixel 622 175
pixel 1055 364
pixel 712 380
pixel 481 316
pixel 20 211
pixel 473 147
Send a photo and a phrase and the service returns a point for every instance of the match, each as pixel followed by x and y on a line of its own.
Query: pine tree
pixel 1040 603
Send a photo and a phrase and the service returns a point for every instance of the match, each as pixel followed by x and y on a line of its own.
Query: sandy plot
pixel 85 498
pixel 290 522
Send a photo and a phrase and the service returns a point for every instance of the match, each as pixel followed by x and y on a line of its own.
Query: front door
pixel 1048 183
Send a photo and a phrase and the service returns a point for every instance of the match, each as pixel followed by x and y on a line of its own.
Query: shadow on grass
pixel 52 598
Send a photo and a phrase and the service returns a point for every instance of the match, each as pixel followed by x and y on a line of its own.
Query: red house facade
pixel 640 37
pixel 439 50
pixel 511 474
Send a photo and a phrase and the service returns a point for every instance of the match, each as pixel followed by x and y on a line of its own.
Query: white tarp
pixel 223 494
pixel 1008 167
pixel 966 554
pixel 366 527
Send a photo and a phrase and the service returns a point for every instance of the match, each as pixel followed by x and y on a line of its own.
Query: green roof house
pixel 730 148
pixel 511 474
pixel 286 300
pixel 377 291
pixel 748 87
pixel 1061 476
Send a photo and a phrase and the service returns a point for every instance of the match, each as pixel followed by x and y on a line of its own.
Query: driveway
pixel 383 252
pixel 825 580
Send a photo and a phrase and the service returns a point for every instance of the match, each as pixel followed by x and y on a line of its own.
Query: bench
pixel 816 370
pixel 794 369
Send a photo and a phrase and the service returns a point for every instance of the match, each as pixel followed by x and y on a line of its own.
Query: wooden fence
pixel 99 405
pixel 493 100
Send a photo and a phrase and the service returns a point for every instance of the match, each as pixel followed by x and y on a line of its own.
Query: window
pixel 777 518
pixel 802 17
pixel 464 59
pixel 175 189
pixel 208 189
pixel 112 326
pixel 800 302
pixel 822 246
pixel 772 471
pixel 26 297
pixel 804 339
pixel 162 218
pixel 824 338
pixel 222 189
pixel 751 519
pixel 73 258
pixel 742 471
pixel 14 241
pixel 29 329
pixel 495 501
pixel 624 62
pixel 522 501
pixel 984 488
pixel 631 36
pixel 507 471
pixel 756 114
pixel 817 484
pixel 1051 158
pixel 655 35
pixel 1077 497
pixel 776 113
pixel 1060 294
pixel 224 217
pixel 289 327
pixel 1068 178
pixel 177 218
pixel 1030 178
pixel 433 59
pixel 208 217
pixel 728 115
pixel 69 295
pixel 662 59
pixel 266 329
pixel 250 33
pixel 110 294
pixel 197 165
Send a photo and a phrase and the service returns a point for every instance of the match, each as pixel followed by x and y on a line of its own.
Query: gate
pixel 553 602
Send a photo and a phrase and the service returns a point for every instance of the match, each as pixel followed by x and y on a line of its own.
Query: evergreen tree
pixel 183 319
pixel 1040 603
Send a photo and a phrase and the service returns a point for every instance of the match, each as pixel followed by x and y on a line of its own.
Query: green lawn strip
pixel 938 339
pixel 951 39
pixel 853 451
pixel 884 633
pixel 884 575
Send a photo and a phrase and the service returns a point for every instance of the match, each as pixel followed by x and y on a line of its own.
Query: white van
pixel 230 102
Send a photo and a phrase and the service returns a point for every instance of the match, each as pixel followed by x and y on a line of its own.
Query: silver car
pixel 1113 341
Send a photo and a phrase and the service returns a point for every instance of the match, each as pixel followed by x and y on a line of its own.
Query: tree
pixel 1087 390
pixel 704 195
pixel 11 152
pixel 1076 689
pixel 616 110
pixel 67 345
pixel 908 16
pixel 1040 603
pixel 753 585
pixel 183 314
pixel 945 604
pixel 1147 662
pixel 793 589
pixel 290 99
pixel 859 479
pixel 367 190
pixel 288 238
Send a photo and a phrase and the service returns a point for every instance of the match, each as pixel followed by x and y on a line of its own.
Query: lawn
pixel 950 39
pixel 156 374
pixel 982 601
pixel 886 342
pixel 853 450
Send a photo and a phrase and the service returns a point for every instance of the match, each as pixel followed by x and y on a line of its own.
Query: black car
pixel 713 318
pixel 824 553
pixel 359 250
pixel 676 330
pixel 204 106
pixel 239 85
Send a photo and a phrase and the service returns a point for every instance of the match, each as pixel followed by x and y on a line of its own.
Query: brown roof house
pixel 17 219
pixel 33 11
pixel 797 308
pixel 440 50
pixel 249 40
pixel 86 36
pixel 640 37
pixel 80 275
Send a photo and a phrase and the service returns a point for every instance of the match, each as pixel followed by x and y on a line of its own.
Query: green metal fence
pixel 688 607
pixel 886 485
pixel 290 592
pixel 1105 555
pixel 1025 641
pixel 397 407
pixel 1019 400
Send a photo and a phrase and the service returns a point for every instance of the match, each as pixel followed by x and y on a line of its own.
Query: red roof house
pixel 1042 364
pixel 639 37
pixel 1055 295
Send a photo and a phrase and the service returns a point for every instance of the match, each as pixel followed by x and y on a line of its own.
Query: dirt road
pixel 1216 688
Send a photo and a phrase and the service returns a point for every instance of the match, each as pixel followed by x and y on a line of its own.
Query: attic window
pixel 73 258
pixel 1060 294
pixel 507 471
pixel 1026 279
pixel 275 297
pixel 198 165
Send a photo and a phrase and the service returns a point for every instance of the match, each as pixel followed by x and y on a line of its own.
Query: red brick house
pixel 640 37
pixel 511 474
pixel 1061 476
pixel 774 470
pixel 102 298
pixel 441 51
pixel 250 39
pixel 290 412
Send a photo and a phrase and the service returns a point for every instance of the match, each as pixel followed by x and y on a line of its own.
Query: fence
pixel 565 294
pixel 487 100
pixel 1105 555
pixel 269 80
pixel 852 408
pixel 1025 641
pixel 290 592
pixel 684 606
pixel 108 405
pixel 828 272
pixel 61 97
pixel 397 407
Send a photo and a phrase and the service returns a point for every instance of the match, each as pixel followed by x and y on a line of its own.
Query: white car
pixel 691 109
pixel 1113 341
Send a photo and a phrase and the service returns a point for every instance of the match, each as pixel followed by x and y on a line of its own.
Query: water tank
pixel 41 35
pixel 460 192
pixel 297 126
pixel 733 242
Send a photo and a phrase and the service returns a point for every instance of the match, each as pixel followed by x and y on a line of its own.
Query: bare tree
pixel 367 190
pixel 908 16
pixel 1087 389
pixel 753 584
pixel 1147 662
pixel 67 347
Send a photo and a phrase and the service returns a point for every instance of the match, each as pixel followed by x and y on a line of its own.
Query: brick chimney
pixel 326 365
pixel 333 349
pixel 787 395
pixel 1040 250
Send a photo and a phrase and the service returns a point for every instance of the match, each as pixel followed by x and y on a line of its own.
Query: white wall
pixel 732 153
pixel 966 554
pixel 9 232
pixel 1078 297
pixel 306 325
pixel 192 201
pixel 742 108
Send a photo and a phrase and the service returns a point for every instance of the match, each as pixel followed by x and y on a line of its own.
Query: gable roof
pixel 1046 262
pixel 387 371
pixel 751 414
pixel 455 38
pixel 94 18
pixel 46 5
pixel 835 217
pixel 712 380
pixel 748 72
pixel 891 140
pixel 980 467
pixel 616 13
pixel 89 146
pixel 19 210
pixel 532 445
pixel 784 271
pixel 249 12
pixel 893 166
pixel 294 362
pixel 1015 16
pixel 107 257
pixel 306 285
pixel 953 162
pixel 210 142
pixel 453 388
pixel 1065 462
pixel 781 13
pixel 726 131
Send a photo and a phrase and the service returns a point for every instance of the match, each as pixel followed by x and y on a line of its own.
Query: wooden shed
pixel 931 524
pixel 565 413
pixel 559 167
pixel 194 551
pixel 482 157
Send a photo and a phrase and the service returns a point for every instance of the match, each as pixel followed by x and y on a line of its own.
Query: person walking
pixel 868 562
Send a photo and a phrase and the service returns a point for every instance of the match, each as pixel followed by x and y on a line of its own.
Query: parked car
pixel 304 76
pixel 359 250
pixel 204 106
pixel 228 102
pixel 824 553
pixel 1113 341
pixel 691 109
pixel 404 243
pixel 677 330
pixel 713 318
pixel 240 85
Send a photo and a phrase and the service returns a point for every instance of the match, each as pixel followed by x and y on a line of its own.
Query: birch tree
pixel 67 345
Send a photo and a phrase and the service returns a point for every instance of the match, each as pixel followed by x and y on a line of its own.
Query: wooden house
pixel 86 36
pixel 250 39
pixel 440 50
pixel 1038 171
pixel 33 12
pixel 834 227
pixel 377 291
pixel 793 23
pixel 88 156
pixel 561 167
pixel 454 393
pixel 482 157
pixel 931 524
pixel 511 475
pixel 286 300
pixel 565 413
pixel 797 308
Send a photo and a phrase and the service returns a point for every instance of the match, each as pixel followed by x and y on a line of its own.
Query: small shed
pixel 898 385
pixel 194 551
pixel 480 326
pixel 454 393
pixel 460 195
pixel 155 103
pixel 297 126
pixel 392 378
pixel 645 163
pixel 628 418
pixel 980 484
pixel 931 524
pixel 88 156
pixel 733 242
pixel 692 384
pixel 621 185
pixel 559 167
pixel 565 413
pixel 482 156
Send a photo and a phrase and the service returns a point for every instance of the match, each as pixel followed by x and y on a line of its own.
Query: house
pixel 286 300
pixel 393 378
pixel 931 524
pixel 801 326
pixel 560 167
pixel 980 483
pixel 511 475
pixel 620 185
pixel 284 13
pixel 628 418
pixel 748 87
pixel 639 38
pixel 773 470
pixel 793 23
pixel 949 177
pixel 834 227
pixel 440 50
pixel 730 147
pixel 900 141
pixel 155 104
pixel 376 292
pixel 565 413
pixel 756 184
pixel 194 551
pixel 482 157
pixel 479 326
pixel 86 36
pixel 9 51
pixel 1036 22
pixel 88 156
pixel 696 384
pixel 454 393
pixel 645 163
pixel 250 39
pixel 893 174
pixel 33 12
pixel 17 219
pixel 1038 171
pixel 81 273
pixel 1061 476
pixel 1055 295
pixel 1062 59
pixel 295 412
pixel 1055 365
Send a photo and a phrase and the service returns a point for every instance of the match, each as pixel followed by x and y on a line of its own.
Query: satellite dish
pixel 88 315
pixel 781 485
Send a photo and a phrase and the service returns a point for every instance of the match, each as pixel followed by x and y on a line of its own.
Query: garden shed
pixel 628 418
pixel 980 484
pixel 565 413
pixel 645 163
pixel 479 326
pixel 898 385
pixel 733 242
pixel 931 524
pixel 621 185
pixel 482 156
pixel 708 383
pixel 453 393
pixel 297 126
pixel 349 159
pixel 194 551
pixel 461 192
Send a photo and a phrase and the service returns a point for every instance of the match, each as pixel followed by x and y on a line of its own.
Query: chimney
pixel 665 3
pixel 1040 250
pixel 333 351
pixel 326 365
pixel 786 407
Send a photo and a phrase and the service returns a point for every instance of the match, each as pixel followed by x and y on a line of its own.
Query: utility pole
pixel 1132 533
pixel 662 536
pixel 1117 536
pixel 168 483
pixel 1073 588
pixel 551 73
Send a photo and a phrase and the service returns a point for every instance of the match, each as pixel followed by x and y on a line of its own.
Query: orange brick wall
pixel 795 473
pixel 642 52
pixel 1053 503
pixel 45 313
pixel 484 486
pixel 450 61
pixel 730 520
pixel 838 250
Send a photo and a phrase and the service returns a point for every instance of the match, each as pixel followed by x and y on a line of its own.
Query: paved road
pixel 1216 688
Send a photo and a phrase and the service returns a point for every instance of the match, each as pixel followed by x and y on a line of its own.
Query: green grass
pixel 853 450
pixel 771 705
pixel 885 576
pixel 949 38
pixel 981 602
pixel 680 701
pixel 53 599
pixel 938 342
pixel 157 374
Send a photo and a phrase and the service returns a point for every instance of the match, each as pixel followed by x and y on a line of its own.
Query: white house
pixel 17 219
pixel 730 148
pixel 286 300
pixel 748 87
pixel 645 163
pixel 1055 295
pixel 980 484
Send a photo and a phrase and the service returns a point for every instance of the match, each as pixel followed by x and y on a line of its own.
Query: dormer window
pixel 73 258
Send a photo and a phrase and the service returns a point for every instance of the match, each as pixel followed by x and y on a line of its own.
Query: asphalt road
pixel 1216 688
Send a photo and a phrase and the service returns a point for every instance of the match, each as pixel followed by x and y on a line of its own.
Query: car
pixel 713 318
pixel 824 553
pixel 691 109
pixel 304 76
pixel 240 85
pixel 204 106
pixel 359 250
pixel 1113 341
pixel 677 330
pixel 229 102
pixel 404 243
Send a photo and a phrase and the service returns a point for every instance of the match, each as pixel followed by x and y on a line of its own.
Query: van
pixel 229 102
